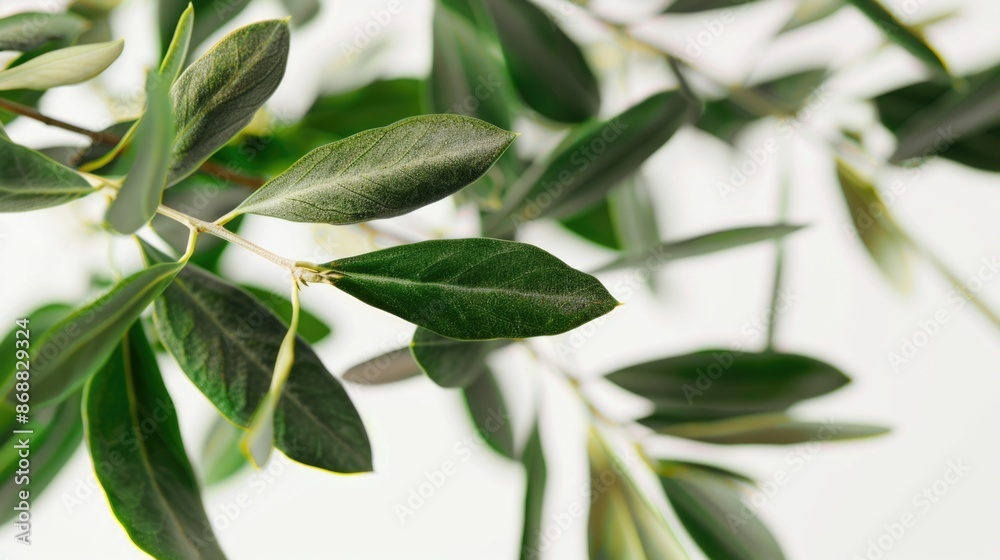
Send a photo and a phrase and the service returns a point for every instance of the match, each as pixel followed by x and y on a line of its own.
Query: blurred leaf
pixel 548 68
pixel 221 457
pixel 27 31
pixel 593 160
pixel 61 67
pixel 490 414
pixel 393 366
pixel 536 475
pixel 32 181
pixel 310 327
pixel 74 349
pixel 709 502
pixel 875 226
pixel 634 216
pixel 40 321
pixel 382 173
pixel 702 245
pixel 212 15
pixel 301 11
pixel 763 429
pixel 175 58
pixel 140 194
pixel 714 384
pixel 595 224
pixel 220 92
pixel 900 34
pixel 811 11
pixel 151 488
pixel 227 343
pixel 449 362
pixel 377 104
pixel 692 6
pixel 474 289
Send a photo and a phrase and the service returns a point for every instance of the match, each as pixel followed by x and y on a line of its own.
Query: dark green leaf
pixel 78 346
pixel 176 55
pixel 592 161
pixel 220 92
pixel 311 327
pixel 720 383
pixel 595 224
pixel 709 502
pixel 899 33
pixel 875 226
pixel 390 367
pixel 227 343
pixel 763 429
pixel 634 216
pixel 475 289
pixel 536 473
pixel 449 362
pixel 31 181
pixel 221 457
pixel 703 245
pixel 40 321
pixel 132 428
pixel 29 30
pixel 692 6
pixel 490 414
pixel 548 68
pixel 383 172
pixel 212 15
pixel 140 194
pixel 377 104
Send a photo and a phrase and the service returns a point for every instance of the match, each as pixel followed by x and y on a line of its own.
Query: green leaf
pixel 61 67
pixel 548 68
pixel 29 30
pixel 301 11
pixel 536 474
pixel 311 327
pixel 595 224
pixel 623 524
pixel 382 173
pixel 393 366
pixel 40 321
pixel 220 92
pixel 634 216
pixel 57 433
pixel 475 289
pixel 131 424
pixel 693 6
pixel 703 245
pixel 899 33
pixel 32 181
pixel 762 429
pixel 227 344
pixel 709 502
pixel 875 226
pixel 449 362
pixel 221 457
pixel 592 161
pixel 811 11
pixel 211 17
pixel 714 384
pixel 489 413
pixel 177 53
pixel 466 78
pixel 142 190
pixel 377 104
pixel 78 346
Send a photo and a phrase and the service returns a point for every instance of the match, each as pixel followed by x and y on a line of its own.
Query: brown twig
pixel 209 167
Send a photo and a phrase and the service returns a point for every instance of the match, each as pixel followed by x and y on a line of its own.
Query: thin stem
pixel 210 167
pixel 779 257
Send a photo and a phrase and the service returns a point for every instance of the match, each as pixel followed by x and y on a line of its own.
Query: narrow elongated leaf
pixel 221 457
pixel 490 414
pixel 142 189
pixel 27 31
pixel 703 245
pixel 311 327
pixel 634 217
pixel 719 383
pixel 592 161
pixel 449 362
pixel 383 172
pixel 811 11
pixel 475 289
pixel 220 92
pixel 227 344
pixel 390 367
pixel 78 346
pixel 39 322
pixel 595 224
pixel 211 17
pixel 131 423
pixel 709 502
pixel 61 67
pixel 693 6
pixel 32 181
pixel 875 227
pixel 549 69
pixel 762 429
pixel 898 32
pixel 536 473
pixel 177 53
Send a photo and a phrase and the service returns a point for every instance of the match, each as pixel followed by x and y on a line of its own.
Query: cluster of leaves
pixel 378 152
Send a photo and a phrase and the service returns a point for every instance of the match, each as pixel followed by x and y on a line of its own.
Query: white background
pixel 941 404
